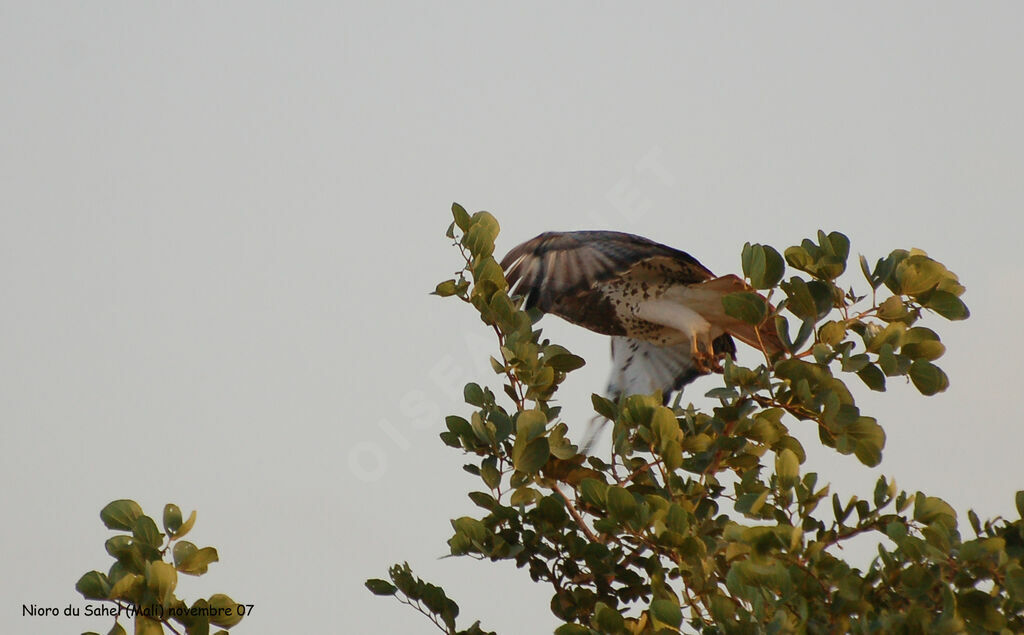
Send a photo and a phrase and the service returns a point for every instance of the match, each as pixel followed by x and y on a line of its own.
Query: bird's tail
pixel 594 428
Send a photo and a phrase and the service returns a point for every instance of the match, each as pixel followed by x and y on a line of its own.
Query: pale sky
pixel 221 220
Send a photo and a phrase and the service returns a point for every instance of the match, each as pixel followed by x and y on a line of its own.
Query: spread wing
pixel 560 272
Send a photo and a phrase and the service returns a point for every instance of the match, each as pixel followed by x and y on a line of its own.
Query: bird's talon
pixel 706 363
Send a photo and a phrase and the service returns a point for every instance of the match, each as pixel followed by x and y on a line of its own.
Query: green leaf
pixel 893 309
pixel 892 335
pixel 487 269
pixel 980 610
pixel 472 528
pixel 927 377
pixel 223 611
pixel 896 531
pixel 197 562
pixel 489 472
pixel 566 363
pixel 797 369
pixel 128 587
pixel 770 574
pixel 775 268
pixel 881 491
pixel 931 509
pixel 380 587
pixel 531 457
pixel 762 265
pixel 803 334
pixel 928 351
pixel 1015 584
pixel 484 500
pixel 825 260
pixel 722 393
pixel 621 503
pixel 948 305
pixel 595 492
pixel 458 425
pixel 667 612
pixel 445 289
pixel 186 526
pixel 798 258
pixel 524 496
pixel 839 244
pixel 889 363
pixel 790 443
pixel 746 306
pixel 752 260
pixel 461 216
pixel 479 237
pixel 807 300
pixel 127 552
pixel 93 586
pixel 919 334
pixel 972 517
pixel 530 424
pixel 161 578
pixel 872 377
pixel 917 274
pixel 148 626
pixel 117 629
pixel 853 363
pixel 665 426
pixel 921 342
pixel 869 440
pixel 672 454
pixel 832 332
pixel 473 394
pixel 787 468
pixel 608 620
pixel 975 550
pixel 200 624
pixel 172 518
pixel 751 502
pixel 866 270
pixel 883 271
pixel 604 407
pixel 560 359
pixel 146 532
pixel 121 514
pixel 1019 500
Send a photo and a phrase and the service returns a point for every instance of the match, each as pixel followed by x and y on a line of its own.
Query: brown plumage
pixel 662 308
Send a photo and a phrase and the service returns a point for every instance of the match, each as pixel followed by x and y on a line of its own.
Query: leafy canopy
pixel 704 521
pixel 142 585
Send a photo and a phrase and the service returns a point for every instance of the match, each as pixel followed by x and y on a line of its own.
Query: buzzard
pixel 662 308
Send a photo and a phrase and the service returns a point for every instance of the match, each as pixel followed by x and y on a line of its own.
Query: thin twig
pixel 167 623
pixel 576 515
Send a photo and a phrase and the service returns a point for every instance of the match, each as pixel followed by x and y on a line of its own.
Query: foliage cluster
pixel 705 520
pixel 143 585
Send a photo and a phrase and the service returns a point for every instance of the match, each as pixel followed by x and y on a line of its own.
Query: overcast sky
pixel 220 222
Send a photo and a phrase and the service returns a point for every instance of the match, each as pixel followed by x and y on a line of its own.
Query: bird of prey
pixel 662 308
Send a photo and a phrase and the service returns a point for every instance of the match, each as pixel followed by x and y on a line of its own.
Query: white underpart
pixel 679 317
